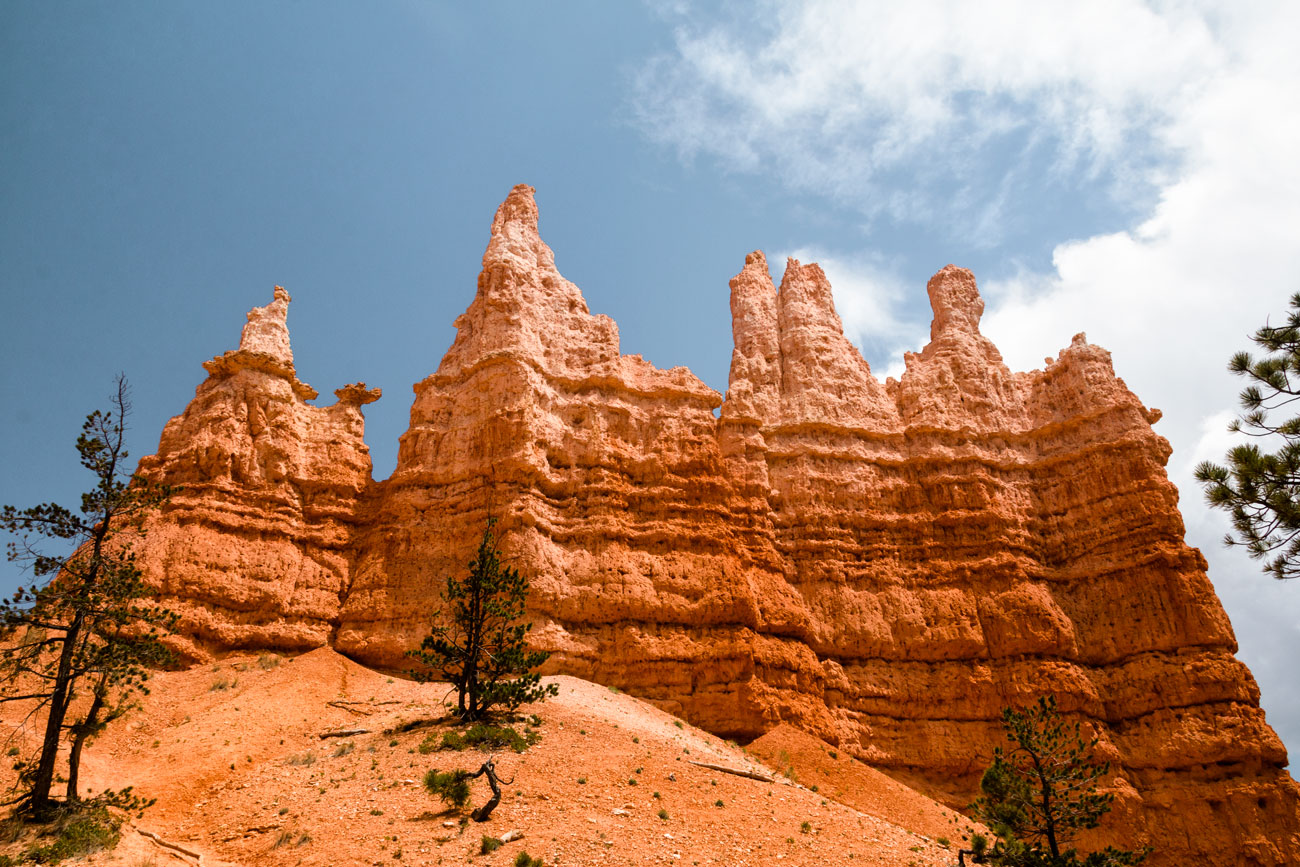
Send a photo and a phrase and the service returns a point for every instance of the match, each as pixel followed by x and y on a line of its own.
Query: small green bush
pixel 489 845
pixel 482 737
pixel 78 833
pixel 451 786
pixel 523 859
pixel 344 748
pixel 805 828
pixel 663 814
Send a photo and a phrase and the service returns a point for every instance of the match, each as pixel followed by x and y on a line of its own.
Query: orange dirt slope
pixel 232 753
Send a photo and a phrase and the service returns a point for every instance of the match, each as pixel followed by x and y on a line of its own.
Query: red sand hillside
pixel 232 753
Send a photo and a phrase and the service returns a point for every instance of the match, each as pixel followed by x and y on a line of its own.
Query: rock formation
pixel 884 565
pixel 252 550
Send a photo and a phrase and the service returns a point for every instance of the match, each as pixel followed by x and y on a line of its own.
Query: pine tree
pixel 482 650
pixel 1041 791
pixel 1259 489
pixel 84 623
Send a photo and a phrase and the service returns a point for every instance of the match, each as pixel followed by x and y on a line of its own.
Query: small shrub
pixel 267 661
pixel 220 684
pixel 582 781
pixel 534 720
pixel 656 796
pixel 344 748
pixel 677 723
pixel 663 814
pixel 635 739
pixel 718 803
pixel 304 759
pixel 376 812
pixel 495 737
pixel 833 754
pixel 451 786
pixel 805 828
pixel 489 845
pixel 483 737
pixel 615 690
pixel 942 841
pixel 523 859
pixel 631 781
pixel 78 833
pixel 285 838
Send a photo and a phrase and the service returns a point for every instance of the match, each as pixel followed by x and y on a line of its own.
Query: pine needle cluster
pixel 1260 489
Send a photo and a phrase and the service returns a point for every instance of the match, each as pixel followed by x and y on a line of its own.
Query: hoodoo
pixel 885 565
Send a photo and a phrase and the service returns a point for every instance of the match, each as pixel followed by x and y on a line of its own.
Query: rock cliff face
pixel 884 565
pixel 253 549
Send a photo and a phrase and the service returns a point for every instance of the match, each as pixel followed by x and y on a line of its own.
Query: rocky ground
pixel 233 753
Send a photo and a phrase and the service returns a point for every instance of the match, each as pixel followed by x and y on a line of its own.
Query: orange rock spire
pixel 886 566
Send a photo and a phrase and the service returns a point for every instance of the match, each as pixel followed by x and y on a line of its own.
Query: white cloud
pixel 835 96
pixel 1196 101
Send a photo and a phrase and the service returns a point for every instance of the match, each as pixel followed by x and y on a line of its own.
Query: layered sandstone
pixel 252 549
pixel 883 565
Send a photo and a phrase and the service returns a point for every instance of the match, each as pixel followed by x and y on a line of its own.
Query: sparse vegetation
pixel 82 628
pixel 451 786
pixel 302 760
pixel 805 827
pixel 480 646
pixel 344 748
pixel 488 845
pixel 482 737
pixel 663 814
pixel 1038 794
pixel 77 831
pixel 267 661
pixel 523 859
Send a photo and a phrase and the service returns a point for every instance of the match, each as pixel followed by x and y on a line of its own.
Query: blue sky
pixel 1120 168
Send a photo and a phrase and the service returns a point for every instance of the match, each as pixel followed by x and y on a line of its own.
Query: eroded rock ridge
pixel 884 565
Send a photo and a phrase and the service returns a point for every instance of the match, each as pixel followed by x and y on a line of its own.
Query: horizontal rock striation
pixel 253 548
pixel 884 565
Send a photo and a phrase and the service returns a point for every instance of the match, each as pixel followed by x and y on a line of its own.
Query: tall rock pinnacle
pixel 887 566
pixel 267 331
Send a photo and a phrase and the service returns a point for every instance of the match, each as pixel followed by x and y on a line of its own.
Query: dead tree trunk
pixel 490 769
